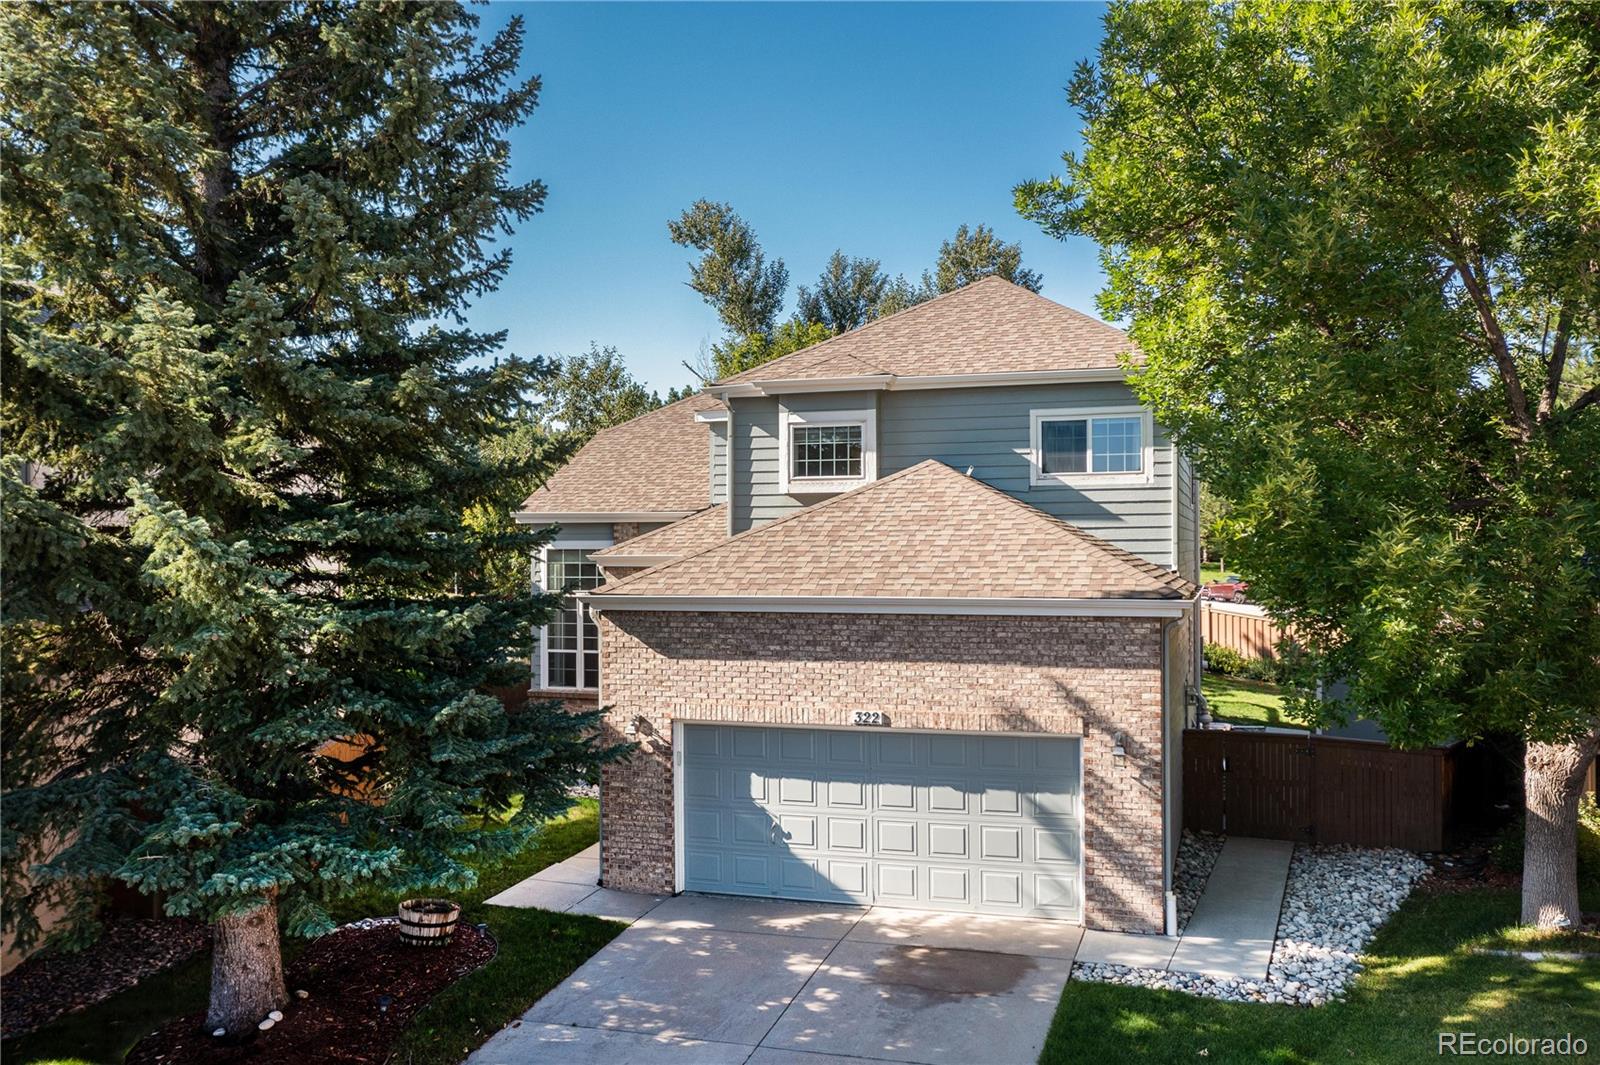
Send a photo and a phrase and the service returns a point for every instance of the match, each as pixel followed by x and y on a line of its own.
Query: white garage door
pixel 938 821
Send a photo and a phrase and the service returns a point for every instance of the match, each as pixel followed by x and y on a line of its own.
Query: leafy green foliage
pixel 974 254
pixel 747 292
pixel 757 348
pixel 1356 244
pixel 237 239
pixel 594 391
pixel 732 273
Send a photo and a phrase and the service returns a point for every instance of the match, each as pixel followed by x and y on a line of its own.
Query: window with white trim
pixel 570 643
pixel 826 451
pixel 1082 447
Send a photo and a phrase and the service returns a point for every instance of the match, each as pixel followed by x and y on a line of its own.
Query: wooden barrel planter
pixel 428 922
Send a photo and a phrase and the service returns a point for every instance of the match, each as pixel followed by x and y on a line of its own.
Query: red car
pixel 1230 589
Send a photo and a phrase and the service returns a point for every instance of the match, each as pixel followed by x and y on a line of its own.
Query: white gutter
pixel 873 604
pixel 893 382
pixel 565 517
pixel 711 416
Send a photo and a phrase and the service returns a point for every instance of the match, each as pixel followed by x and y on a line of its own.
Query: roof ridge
pixel 812 509
pixel 865 326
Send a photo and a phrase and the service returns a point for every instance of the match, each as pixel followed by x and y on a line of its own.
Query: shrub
pixel 1224 660
pixel 1506 850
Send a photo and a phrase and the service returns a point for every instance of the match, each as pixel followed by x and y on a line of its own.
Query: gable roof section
pixel 927 532
pixel 656 463
pixel 683 537
pixel 989 326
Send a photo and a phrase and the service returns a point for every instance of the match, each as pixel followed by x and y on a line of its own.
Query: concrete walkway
pixel 1234 925
pixel 573 886
pixel 709 980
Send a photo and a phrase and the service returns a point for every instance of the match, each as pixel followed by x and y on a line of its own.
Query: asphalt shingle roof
pixel 656 462
pixel 927 531
pixel 682 537
pixel 989 326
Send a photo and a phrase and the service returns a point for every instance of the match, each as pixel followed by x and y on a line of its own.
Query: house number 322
pixel 867 717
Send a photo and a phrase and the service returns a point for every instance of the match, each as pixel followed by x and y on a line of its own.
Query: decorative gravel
pixel 1197 854
pixel 1336 898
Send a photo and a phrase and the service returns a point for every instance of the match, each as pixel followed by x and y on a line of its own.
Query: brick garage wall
pixel 1089 677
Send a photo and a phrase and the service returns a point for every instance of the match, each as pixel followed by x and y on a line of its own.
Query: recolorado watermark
pixel 1511 1045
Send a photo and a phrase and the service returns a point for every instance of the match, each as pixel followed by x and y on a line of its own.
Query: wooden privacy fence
pixel 1246 629
pixel 1315 789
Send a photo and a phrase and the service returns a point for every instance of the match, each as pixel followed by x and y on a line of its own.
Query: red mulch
pixel 340 1023
pixel 54 983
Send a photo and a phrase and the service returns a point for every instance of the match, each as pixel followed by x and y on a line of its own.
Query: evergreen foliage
pixel 238 238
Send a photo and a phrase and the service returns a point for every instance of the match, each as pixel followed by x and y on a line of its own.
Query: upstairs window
pixel 1091 447
pixel 570 643
pixel 826 451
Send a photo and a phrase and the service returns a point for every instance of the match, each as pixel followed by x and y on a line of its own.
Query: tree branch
pixel 1590 397
pixel 1516 399
pixel 1554 367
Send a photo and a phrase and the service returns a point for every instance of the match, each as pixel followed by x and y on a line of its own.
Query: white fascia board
pixel 842 604
pixel 524 517
pixel 894 383
pixel 627 561
pixel 707 416
pixel 996 380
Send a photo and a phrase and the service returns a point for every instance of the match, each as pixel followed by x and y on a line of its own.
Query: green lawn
pixel 537 951
pixel 1422 978
pixel 1245 702
pixel 1211 571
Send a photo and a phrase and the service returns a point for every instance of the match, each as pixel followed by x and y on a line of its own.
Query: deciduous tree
pixel 1358 244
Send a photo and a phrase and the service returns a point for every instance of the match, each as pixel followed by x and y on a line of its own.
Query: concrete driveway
pixel 729 981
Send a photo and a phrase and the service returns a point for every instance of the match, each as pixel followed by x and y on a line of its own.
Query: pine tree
pixel 238 238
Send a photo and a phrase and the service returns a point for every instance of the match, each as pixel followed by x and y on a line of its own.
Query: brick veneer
pixel 1089 677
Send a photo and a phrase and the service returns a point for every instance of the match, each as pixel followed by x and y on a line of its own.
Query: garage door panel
pixel 895 750
pixel 748 743
pixel 1002 889
pixel 795 745
pixel 947 841
pixel 799 830
pixel 896 795
pixel 988 831
pixel 851 793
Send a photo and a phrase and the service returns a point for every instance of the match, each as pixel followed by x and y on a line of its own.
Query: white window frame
pixel 1038 478
pixel 789 420
pixel 542 672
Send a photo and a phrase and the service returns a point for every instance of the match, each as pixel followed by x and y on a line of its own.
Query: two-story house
pixel 905 618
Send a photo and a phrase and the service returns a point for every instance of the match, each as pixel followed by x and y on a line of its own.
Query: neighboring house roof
pixel 697 531
pixel 656 464
pixel 925 532
pixel 989 326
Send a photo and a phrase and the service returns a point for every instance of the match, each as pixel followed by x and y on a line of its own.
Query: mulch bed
pixel 1467 868
pixel 341 1021
pixel 54 983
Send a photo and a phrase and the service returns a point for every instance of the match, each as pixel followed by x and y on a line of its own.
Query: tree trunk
pixel 246 969
pixel 1553 775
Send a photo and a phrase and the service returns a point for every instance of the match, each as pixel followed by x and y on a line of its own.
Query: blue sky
pixel 876 129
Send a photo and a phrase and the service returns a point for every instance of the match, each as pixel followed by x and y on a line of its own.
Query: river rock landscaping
pixel 1335 899
pixel 1197 856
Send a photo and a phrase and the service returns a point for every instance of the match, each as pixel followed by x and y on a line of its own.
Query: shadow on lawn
pixel 1420 980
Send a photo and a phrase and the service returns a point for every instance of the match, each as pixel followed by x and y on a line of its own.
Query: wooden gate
pixel 1317 789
